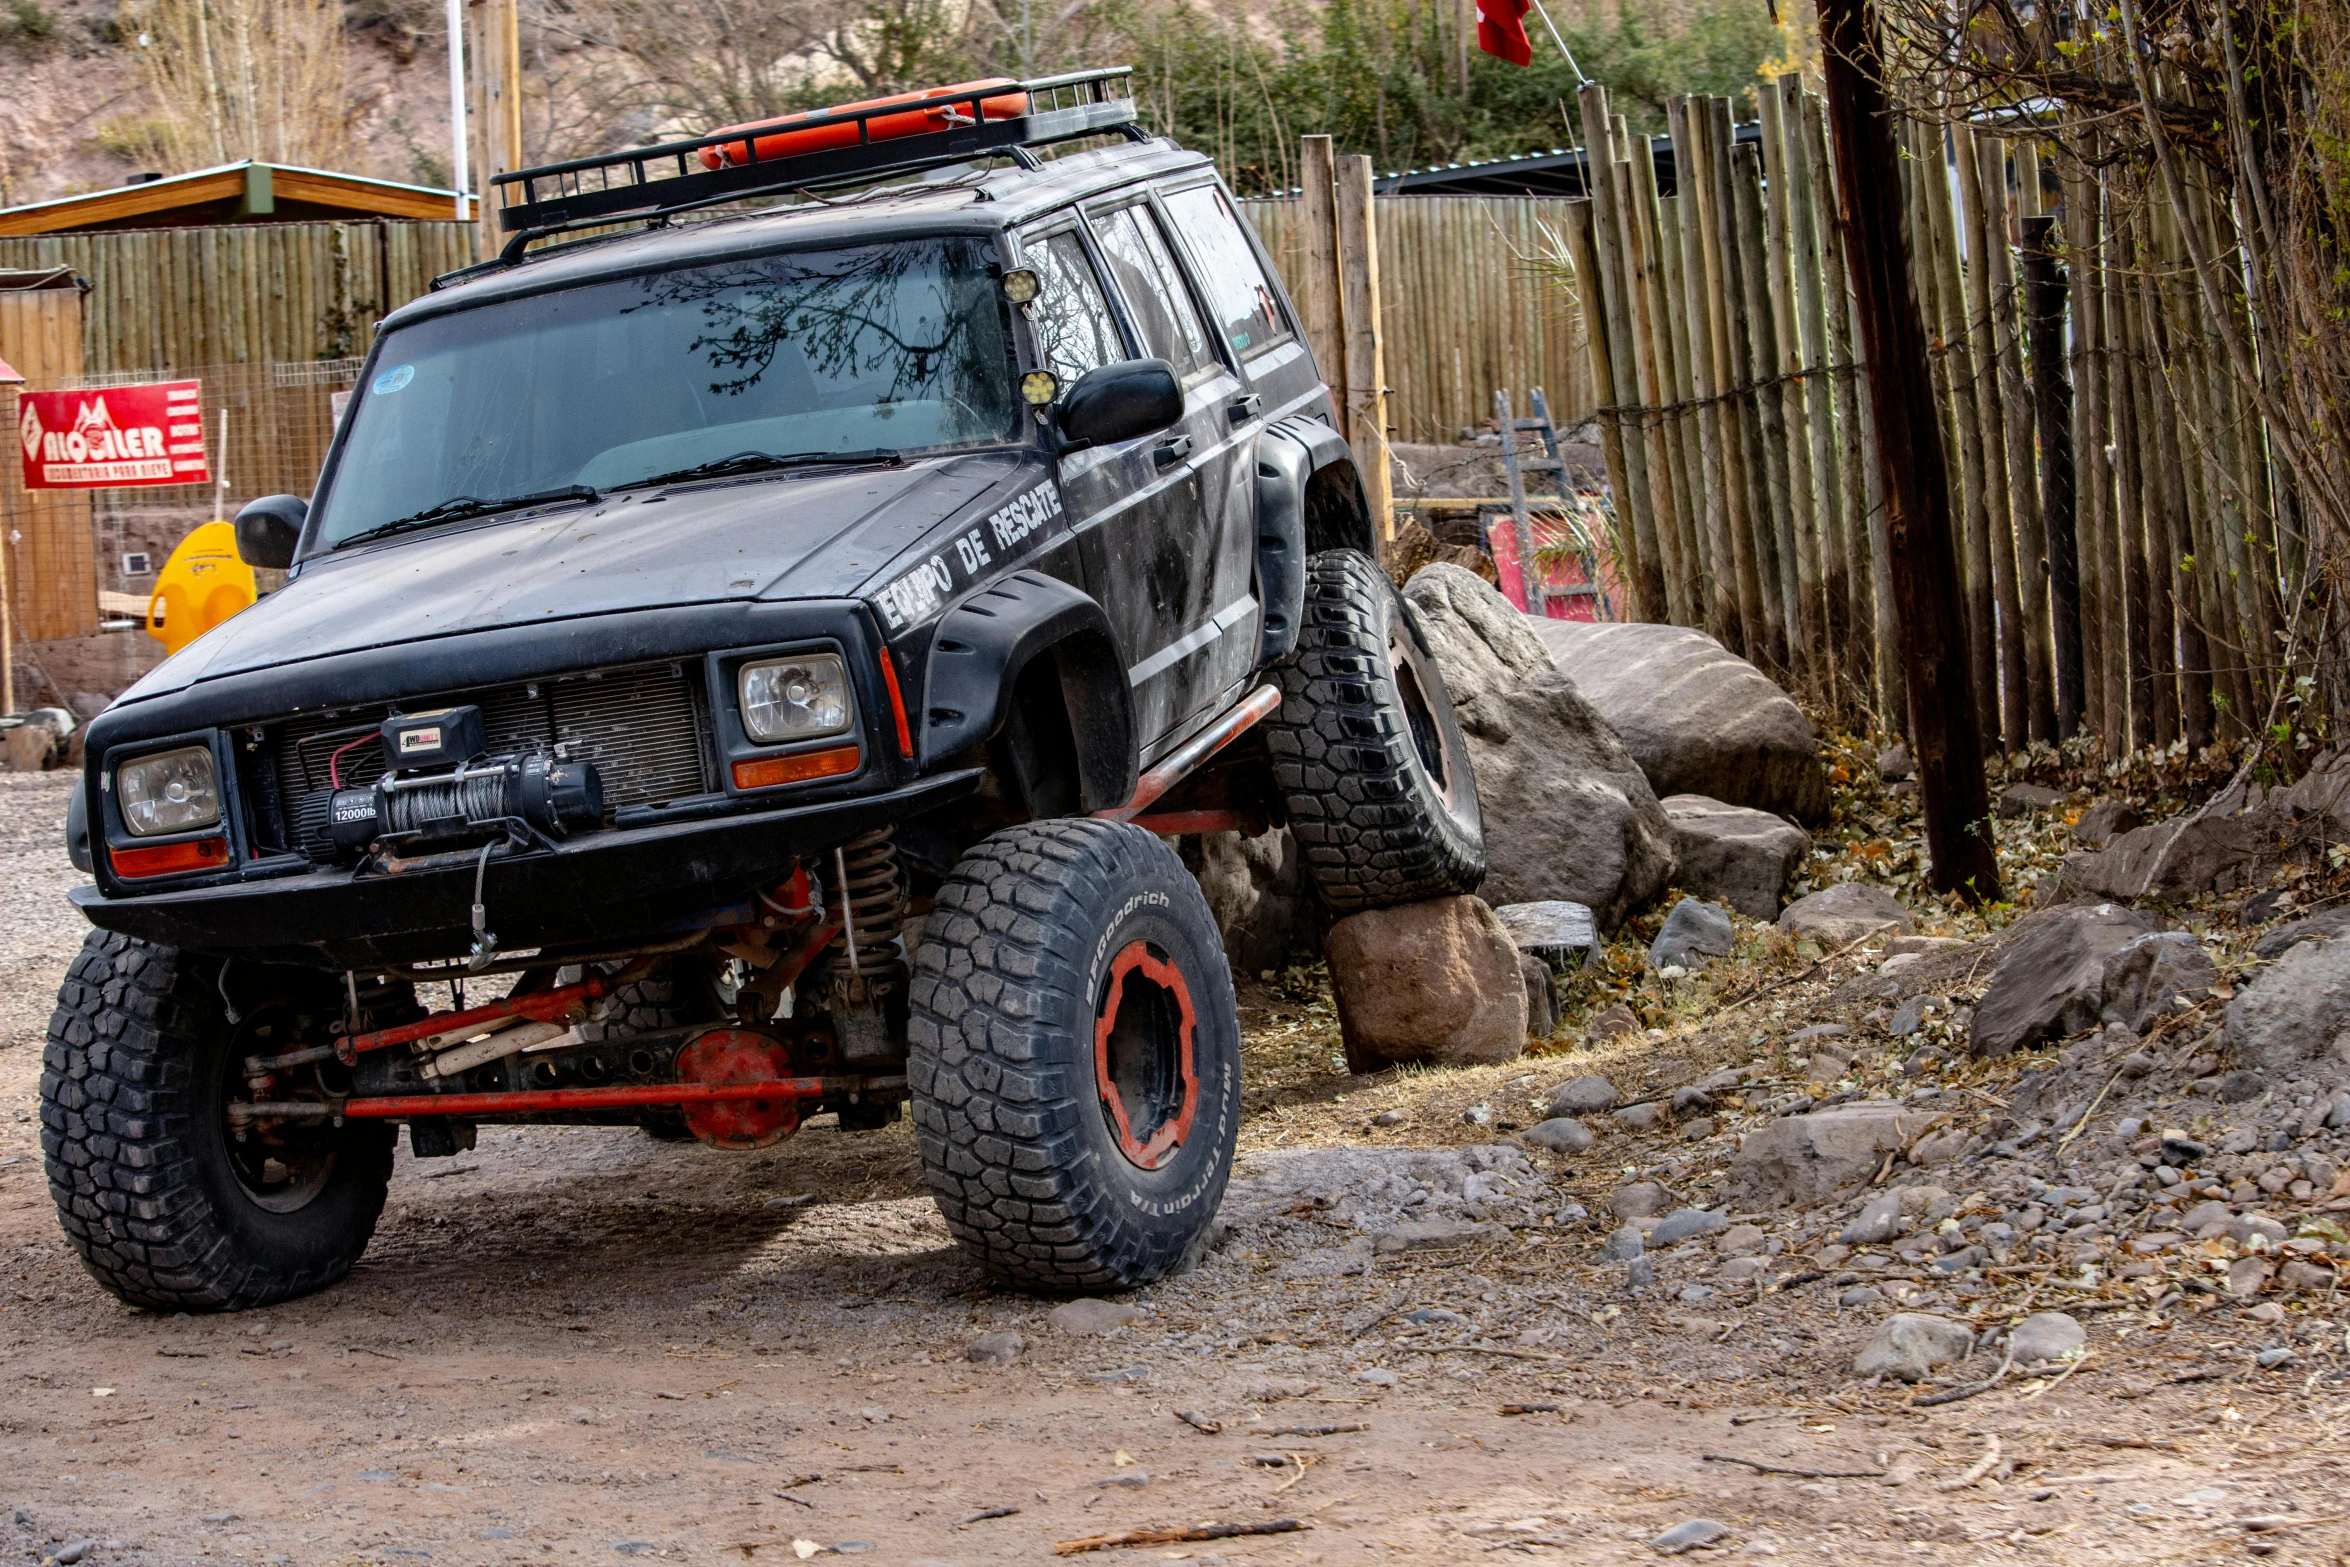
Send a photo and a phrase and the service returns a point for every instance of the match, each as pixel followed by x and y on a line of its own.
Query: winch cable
pixel 485 943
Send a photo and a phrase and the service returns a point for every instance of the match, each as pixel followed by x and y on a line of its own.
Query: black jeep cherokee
pixel 761 655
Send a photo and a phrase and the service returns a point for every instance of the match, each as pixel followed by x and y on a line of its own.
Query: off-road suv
pixel 762 656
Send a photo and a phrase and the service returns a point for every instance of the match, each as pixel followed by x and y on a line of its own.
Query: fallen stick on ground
pixel 1336 1430
pixel 1529 1409
pixel 1199 1422
pixel 1150 1536
pixel 1975 1471
pixel 985 1513
pixel 1953 1395
pixel 1800 1474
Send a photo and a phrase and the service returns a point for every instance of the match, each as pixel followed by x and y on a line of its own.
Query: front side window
pixel 1075 331
pixel 1238 295
pixel 1146 275
pixel 894 348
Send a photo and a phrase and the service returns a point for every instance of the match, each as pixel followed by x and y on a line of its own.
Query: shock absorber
pixel 867 972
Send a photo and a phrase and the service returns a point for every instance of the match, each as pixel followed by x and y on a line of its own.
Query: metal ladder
pixel 1517 468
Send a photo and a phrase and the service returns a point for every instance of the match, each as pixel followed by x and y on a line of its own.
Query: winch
pixel 478 796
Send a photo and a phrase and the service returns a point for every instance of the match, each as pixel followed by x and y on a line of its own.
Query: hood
pixel 816 534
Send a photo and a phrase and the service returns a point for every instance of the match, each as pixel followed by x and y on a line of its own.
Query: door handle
pixel 1242 409
pixel 1172 451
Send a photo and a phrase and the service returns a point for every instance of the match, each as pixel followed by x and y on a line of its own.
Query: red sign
pixel 119 435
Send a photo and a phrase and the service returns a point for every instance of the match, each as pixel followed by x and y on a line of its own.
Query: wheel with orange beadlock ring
pixel 1075 1056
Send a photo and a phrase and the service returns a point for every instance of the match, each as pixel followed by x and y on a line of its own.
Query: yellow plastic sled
pixel 203 584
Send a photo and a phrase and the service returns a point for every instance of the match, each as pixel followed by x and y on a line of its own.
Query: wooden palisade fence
pixel 2123 567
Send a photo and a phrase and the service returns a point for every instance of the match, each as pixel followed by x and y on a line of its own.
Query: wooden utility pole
pixel 496 46
pixel 1914 469
pixel 1366 357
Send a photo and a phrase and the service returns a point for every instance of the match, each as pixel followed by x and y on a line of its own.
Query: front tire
pixel 166 1207
pixel 1075 1057
pixel 1367 753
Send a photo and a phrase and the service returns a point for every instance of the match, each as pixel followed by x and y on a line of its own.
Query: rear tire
pixel 1367 754
pixel 1071 1142
pixel 167 1209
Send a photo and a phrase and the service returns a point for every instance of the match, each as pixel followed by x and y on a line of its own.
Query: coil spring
pixel 873 894
pixel 465 796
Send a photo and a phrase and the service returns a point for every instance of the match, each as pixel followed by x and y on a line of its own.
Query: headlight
pixel 172 791
pixel 794 698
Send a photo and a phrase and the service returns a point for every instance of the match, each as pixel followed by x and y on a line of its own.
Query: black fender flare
pixel 976 657
pixel 1285 464
pixel 1337 509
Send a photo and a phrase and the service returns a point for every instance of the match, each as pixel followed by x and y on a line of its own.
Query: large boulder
pixel 1568 813
pixel 1844 913
pixel 1806 1159
pixel 2051 980
pixel 1742 856
pixel 1700 719
pixel 2233 840
pixel 1257 890
pixel 1436 981
pixel 2295 1012
pixel 2150 972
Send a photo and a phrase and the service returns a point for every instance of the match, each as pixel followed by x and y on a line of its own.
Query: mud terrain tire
pixel 1061 969
pixel 663 1000
pixel 1367 754
pixel 140 1059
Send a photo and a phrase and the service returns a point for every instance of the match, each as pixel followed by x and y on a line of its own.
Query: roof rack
pixel 651 181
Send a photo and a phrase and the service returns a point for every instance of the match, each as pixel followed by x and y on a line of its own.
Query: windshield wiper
pixel 761 462
pixel 462 506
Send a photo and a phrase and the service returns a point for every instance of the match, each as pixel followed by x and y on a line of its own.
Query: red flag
pixel 1501 31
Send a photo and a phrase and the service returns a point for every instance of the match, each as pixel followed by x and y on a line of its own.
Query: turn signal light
pixel 765 772
pixel 164 859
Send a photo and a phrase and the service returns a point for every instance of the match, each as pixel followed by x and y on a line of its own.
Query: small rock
pixel 2237 1086
pixel 1542 1013
pixel 1640 1200
pixel 1685 1223
pixel 1640 1273
pixel 1861 1295
pixel 1895 764
pixel 2025 799
pixel 1742 1240
pixel 1376 1377
pixel 1804 1159
pixel 2045 1336
pixel 1389 1118
pixel 1623 1245
pixel 1478 1115
pixel 1694 934
pixel 1879 1221
pixel 2050 981
pixel 1559 1134
pixel 995 1349
pixel 2103 821
pixel 1737 1270
pixel 1690 1536
pixel 1642 1118
pixel 1086 1316
pixel 69 1555
pixel 2271 1358
pixel 2247 1276
pixel 2338 1113
pixel 2312 1278
pixel 1429 1235
pixel 1699 1130
pixel 1909 1017
pixel 1911 1344
pixel 2318 927
pixel 1610 1022
pixel 1844 913
pixel 1585 1095
pixel 2184 1152
pixel 1818 1031
pixel 1740 856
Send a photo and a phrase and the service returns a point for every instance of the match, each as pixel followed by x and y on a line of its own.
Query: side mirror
pixel 1121 402
pixel 269 528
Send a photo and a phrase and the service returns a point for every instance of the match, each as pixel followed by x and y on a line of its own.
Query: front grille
pixel 647 730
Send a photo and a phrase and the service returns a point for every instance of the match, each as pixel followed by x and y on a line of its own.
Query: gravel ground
pixel 576 1344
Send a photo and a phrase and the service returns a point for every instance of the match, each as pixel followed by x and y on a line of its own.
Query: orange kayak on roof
pixel 885 127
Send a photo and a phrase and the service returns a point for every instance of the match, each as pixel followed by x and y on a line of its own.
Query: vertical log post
pixel 1318 216
pixel 1610 289
pixel 1366 359
pixel 2052 407
pixel 1991 425
pixel 1944 736
pixel 495 108
pixel 2015 402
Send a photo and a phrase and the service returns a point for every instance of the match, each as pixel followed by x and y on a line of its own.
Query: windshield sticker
pixel 919 594
pixel 393 379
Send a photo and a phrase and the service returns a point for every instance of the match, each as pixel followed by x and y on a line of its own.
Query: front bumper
pixel 610 890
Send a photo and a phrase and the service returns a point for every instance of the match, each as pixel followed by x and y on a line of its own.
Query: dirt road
pixel 575 1344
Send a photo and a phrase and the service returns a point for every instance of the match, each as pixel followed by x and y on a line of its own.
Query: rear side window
pixel 1074 328
pixel 1145 273
pixel 1238 294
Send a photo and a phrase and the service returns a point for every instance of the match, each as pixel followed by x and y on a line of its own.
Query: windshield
pixel 890 348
